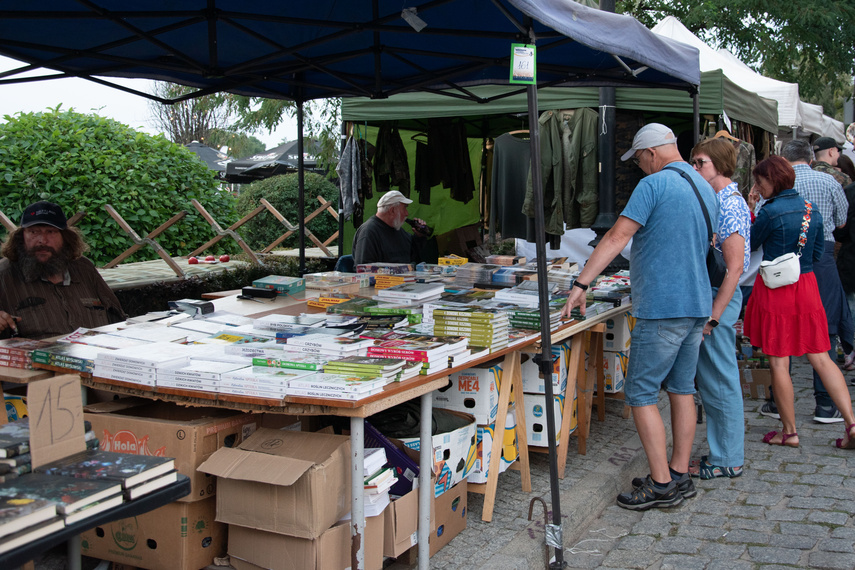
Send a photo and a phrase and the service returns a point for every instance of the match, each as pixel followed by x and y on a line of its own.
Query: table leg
pixel 357 512
pixel 425 488
pixel 73 553
pixel 575 373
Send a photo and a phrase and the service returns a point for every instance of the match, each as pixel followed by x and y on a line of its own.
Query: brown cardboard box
pixel 177 536
pixel 286 482
pixel 756 382
pixel 450 510
pixel 190 435
pixel 250 548
pixel 401 524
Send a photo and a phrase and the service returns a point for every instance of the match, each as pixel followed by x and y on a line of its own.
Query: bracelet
pixel 580 286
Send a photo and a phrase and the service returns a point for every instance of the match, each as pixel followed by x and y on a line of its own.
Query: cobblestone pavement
pixel 790 509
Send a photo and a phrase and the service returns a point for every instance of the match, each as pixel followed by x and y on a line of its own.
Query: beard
pixel 399 221
pixel 34 269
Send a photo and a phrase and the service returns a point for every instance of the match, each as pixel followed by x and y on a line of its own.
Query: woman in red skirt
pixel 789 320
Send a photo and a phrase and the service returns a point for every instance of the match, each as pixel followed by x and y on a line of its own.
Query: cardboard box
pixel 510 450
pixel 535 418
pixel 614 368
pixel 450 516
pixel 401 523
pixel 287 482
pixel 251 548
pixel 177 536
pixel 756 382
pixel 190 435
pixel 532 378
pixel 618 334
pixel 473 391
pixel 453 453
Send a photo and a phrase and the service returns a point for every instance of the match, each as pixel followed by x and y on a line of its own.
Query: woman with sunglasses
pixel 790 320
pixel 718 376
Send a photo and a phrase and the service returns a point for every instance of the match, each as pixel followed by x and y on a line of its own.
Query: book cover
pixel 15 438
pixel 295 360
pixel 31 533
pixel 412 291
pixel 20 512
pixel 254 375
pixel 151 485
pixel 327 341
pixel 69 493
pixel 157 354
pixel 96 464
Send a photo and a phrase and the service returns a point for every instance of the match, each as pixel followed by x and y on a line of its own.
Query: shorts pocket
pixel 674 332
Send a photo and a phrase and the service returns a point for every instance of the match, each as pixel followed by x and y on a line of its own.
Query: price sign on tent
pixel 523 68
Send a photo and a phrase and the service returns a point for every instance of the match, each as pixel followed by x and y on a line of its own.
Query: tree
pixel 192 119
pixel 83 162
pixel 240 145
pixel 811 42
pixel 321 122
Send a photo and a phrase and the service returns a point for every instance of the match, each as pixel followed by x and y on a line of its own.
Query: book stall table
pixel 155 499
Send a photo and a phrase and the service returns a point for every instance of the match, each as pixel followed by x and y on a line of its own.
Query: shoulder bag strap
pixel 805 226
pixel 698 195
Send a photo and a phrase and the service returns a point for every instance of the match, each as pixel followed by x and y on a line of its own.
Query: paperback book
pixel 31 533
pixel 128 469
pixel 352 396
pixel 18 513
pixel 71 495
pixel 295 360
pixel 328 382
pixel 77 357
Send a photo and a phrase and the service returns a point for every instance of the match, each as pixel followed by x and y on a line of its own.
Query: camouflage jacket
pixel 821 166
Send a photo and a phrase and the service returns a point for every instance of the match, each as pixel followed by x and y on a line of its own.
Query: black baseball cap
pixel 825 143
pixel 43 213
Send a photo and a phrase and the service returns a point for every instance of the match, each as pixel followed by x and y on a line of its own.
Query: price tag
pixel 523 68
pixel 55 408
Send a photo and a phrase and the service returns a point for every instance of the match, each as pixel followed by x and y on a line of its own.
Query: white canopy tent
pixel 792 111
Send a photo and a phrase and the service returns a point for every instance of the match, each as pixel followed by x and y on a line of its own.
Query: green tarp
pixel 717 94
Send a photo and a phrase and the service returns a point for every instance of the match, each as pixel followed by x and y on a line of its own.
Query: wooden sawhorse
pixel 510 377
pixel 221 233
pixel 292 228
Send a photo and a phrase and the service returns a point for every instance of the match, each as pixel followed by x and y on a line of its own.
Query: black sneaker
pixel 684 484
pixel 645 496
pixel 770 409
pixel 827 415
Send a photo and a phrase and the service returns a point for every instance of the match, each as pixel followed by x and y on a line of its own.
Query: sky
pixel 88 97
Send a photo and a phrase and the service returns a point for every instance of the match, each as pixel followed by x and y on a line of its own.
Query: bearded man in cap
pixel 47 287
pixel 672 302
pixel 381 240
pixel 826 151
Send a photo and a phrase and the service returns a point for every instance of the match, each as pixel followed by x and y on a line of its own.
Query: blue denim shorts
pixel 664 352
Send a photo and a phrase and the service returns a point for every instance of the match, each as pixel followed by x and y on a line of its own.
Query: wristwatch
pixel 712 322
pixel 580 286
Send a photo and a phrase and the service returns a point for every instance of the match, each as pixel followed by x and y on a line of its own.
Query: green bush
pixel 83 162
pixel 282 191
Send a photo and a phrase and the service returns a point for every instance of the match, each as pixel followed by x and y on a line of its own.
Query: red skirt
pixel 789 320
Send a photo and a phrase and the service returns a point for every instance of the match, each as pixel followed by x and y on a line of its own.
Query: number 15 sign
pixel 523 68
pixel 55 406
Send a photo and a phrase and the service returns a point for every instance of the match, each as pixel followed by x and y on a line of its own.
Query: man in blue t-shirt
pixel 672 302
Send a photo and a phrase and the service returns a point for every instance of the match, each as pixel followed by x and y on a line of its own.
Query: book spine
pixel 419 355
pixel 323 386
pixel 326 394
pixel 279 363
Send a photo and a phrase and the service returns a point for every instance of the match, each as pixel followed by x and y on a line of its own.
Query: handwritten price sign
pixel 523 67
pixel 56 418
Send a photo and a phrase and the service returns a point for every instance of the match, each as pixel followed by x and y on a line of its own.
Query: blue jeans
pixel 721 392
pixel 664 353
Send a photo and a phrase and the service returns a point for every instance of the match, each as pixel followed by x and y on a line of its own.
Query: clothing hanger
pixel 414 137
pixel 724 134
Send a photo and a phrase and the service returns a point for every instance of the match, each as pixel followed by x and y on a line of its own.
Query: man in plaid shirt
pixel 827 196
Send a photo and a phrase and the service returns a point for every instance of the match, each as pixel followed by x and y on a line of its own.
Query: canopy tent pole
pixel 301 177
pixel 696 118
pixel 545 357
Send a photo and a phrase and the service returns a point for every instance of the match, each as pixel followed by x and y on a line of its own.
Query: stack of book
pixel 505 259
pixel 526 294
pixel 17 352
pixel 387 368
pixel 281 284
pixel 138 475
pixel 260 381
pixel 382 268
pixel 328 299
pixel 411 292
pixel 202 375
pixel 383 281
pixel 483 328
pixel 138 365
pixel 287 322
pixel 378 479
pixel 66 356
pixel 337 346
pixel 327 279
pixel 76 499
pixel 335 386
pixel 24 520
pixel 530 319
pixel 433 355
pixel 294 360
pixel 15 458
pixel 471 273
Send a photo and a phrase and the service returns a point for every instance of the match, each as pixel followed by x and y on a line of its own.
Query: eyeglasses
pixel 698 162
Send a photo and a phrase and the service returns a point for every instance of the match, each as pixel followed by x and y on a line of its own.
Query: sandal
pixel 784 437
pixel 850 442
pixel 710 471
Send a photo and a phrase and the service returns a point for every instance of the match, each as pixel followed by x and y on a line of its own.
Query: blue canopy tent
pixel 327 48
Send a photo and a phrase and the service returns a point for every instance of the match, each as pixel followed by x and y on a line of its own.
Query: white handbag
pixel 786 269
pixel 781 271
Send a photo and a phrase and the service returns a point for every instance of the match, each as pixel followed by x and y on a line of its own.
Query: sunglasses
pixel 698 162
